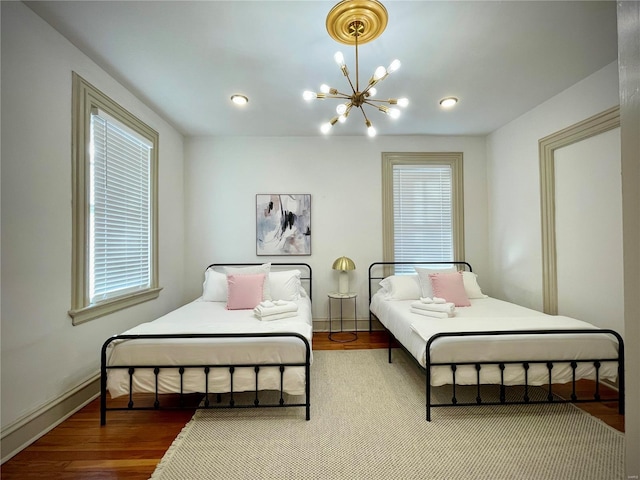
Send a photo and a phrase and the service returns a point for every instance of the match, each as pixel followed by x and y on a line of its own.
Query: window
pixel 422 196
pixel 114 206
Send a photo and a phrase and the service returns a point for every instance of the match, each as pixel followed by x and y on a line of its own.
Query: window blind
pixel 120 222
pixel 422 213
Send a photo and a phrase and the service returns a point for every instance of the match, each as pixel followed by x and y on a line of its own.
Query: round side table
pixel 341 335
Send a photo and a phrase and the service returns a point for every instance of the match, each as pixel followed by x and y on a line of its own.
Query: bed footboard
pixel 233 402
pixel 526 365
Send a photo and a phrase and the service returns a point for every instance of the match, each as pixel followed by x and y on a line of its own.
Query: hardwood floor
pixel 132 443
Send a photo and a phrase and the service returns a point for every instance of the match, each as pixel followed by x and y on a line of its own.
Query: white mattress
pixel 212 317
pixel 413 331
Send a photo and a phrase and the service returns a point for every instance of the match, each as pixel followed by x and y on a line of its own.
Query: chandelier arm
pixel 364 114
pixel 341 96
pixel 353 89
pixel 369 100
pixel 373 83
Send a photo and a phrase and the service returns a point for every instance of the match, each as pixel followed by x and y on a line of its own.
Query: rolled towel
pixel 439 300
pixel 276 316
pixel 267 304
pixel 429 313
pixel 426 300
pixel 448 308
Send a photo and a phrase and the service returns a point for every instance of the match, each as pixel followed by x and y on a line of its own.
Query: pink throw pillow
pixel 244 291
pixel 450 286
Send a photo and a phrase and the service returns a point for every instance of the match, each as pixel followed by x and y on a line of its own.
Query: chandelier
pixel 355 22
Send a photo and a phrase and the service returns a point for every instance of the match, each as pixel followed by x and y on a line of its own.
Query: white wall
pixel 43 356
pixel 343 176
pixel 514 184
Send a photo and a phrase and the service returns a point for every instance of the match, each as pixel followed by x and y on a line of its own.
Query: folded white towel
pixel 448 308
pixel 262 311
pixel 276 316
pixel 429 313
pixel 426 300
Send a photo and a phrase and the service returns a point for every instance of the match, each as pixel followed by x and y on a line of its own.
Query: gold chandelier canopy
pixel 355 22
pixel 369 16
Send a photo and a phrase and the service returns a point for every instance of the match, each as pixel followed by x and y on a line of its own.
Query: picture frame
pixel 283 224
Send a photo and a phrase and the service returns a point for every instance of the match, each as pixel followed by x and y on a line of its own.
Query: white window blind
pixel 120 210
pixel 422 213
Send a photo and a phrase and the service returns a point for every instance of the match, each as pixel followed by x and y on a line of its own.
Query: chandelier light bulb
pixel 324 88
pixel 339 58
pixel 395 65
pixel 372 92
pixel 403 102
pixel 341 108
pixel 379 73
pixel 342 118
pixel 394 113
pixel 309 95
pixel 371 131
pixel 325 127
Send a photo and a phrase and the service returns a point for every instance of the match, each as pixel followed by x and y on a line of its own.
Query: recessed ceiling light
pixel 448 102
pixel 239 99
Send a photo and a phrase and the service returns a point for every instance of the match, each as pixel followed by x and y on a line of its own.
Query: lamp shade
pixel 344 263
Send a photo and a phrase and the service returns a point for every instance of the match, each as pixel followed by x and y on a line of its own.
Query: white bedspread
pixel 212 317
pixel 413 331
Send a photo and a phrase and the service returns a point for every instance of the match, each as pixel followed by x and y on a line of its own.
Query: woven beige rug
pixel 368 422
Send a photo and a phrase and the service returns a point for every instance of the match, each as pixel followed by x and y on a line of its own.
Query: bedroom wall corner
pixel 514 184
pixel 48 364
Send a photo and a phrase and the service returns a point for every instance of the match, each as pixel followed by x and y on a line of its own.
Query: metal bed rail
pixel 206 368
pixel 551 398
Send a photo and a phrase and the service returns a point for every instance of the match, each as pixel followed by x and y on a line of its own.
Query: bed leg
pixel 103 397
pixel 428 387
pixel 307 371
pixel 390 342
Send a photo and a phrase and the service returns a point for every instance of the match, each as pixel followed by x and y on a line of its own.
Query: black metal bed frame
pixel 526 363
pixel 208 368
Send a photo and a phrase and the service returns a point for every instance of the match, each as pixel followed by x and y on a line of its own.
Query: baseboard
pixel 26 430
pixel 322 325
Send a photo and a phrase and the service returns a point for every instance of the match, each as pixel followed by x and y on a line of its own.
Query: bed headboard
pixel 381 270
pixel 305 269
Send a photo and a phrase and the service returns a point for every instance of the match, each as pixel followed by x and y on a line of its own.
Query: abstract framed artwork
pixel 283 224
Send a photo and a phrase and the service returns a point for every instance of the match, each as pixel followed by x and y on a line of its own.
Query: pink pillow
pixel 450 286
pixel 244 291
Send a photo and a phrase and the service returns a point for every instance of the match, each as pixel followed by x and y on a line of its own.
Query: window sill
pixel 85 314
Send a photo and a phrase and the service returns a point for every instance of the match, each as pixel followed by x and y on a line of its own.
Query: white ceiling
pixel 186 58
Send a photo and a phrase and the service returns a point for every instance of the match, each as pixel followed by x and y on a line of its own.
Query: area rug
pixel 368 422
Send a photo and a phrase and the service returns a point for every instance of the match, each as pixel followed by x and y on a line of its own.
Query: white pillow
pixel 214 288
pixel 264 268
pixel 285 285
pixel 401 287
pixel 425 281
pixel 470 281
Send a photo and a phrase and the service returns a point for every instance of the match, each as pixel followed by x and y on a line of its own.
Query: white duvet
pixel 413 331
pixel 212 317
